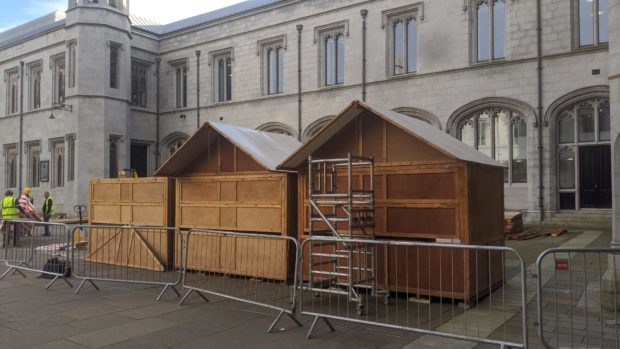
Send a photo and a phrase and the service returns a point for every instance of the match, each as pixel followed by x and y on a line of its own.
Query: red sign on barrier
pixel 561 264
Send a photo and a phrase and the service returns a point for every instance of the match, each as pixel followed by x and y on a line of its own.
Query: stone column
pixel 612 276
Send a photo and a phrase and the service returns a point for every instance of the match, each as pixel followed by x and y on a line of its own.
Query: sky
pixel 16 12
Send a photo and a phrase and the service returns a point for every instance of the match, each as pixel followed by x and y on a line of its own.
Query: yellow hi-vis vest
pixel 9 208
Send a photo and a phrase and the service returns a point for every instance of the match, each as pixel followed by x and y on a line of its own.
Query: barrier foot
pixel 161 294
pixel 184 299
pixel 82 285
pixel 12 270
pixel 279 317
pixel 315 322
pixel 56 278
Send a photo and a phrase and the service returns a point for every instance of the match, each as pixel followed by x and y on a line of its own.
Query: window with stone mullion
pixel 275 70
pixel 593 22
pixel 181 86
pixel 405 42
pixel 224 78
pixel 490 29
pixel 334 59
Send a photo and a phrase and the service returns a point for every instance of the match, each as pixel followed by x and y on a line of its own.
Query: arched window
pixel 490 17
pixel 277 127
pixel 583 155
pixel 420 114
pixel 172 143
pixel 316 126
pixel 502 135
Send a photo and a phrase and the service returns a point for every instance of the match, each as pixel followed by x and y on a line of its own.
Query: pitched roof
pixel 242 7
pixel 417 128
pixel 268 149
pixel 32 29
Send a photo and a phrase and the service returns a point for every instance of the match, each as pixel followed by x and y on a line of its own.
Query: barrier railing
pixel 462 292
pixel 37 247
pixel 578 297
pixel 128 254
pixel 250 268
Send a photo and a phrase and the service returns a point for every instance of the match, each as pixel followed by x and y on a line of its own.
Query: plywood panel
pixel 126 190
pixel 259 219
pixel 147 192
pixel 126 217
pixel 200 217
pixel 148 216
pixel 259 191
pixel 246 163
pixel 199 191
pixel 401 146
pixel 106 192
pixel 228 217
pixel 227 156
pixel 372 137
pixel 228 191
pixel 106 214
pixel 433 221
pixel 423 186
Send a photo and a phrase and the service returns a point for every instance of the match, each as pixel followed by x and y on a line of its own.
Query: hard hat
pixel 27 190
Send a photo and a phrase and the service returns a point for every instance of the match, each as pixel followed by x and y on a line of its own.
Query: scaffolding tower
pixel 342 206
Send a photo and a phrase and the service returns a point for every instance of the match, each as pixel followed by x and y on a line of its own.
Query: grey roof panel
pixel 31 29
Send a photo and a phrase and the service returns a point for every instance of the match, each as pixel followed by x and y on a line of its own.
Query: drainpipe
pixel 539 69
pixel 299 28
pixel 364 14
pixel 21 123
pixel 197 89
pixel 157 157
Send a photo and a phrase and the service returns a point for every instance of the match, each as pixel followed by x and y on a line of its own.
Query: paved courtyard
pixel 127 316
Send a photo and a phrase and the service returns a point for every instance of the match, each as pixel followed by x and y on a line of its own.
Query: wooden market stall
pixel 227 179
pixel 428 187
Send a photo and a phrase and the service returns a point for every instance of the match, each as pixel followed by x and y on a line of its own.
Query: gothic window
pixel 33 151
pixel 223 74
pixel 172 143
pixel 180 82
pixel 316 126
pixel 404 41
pixel 72 64
pixel 35 87
pixel 59 81
pixel 71 158
pixel 10 156
pixel 584 124
pixel 277 127
pixel 502 135
pixel 113 156
pixel 114 65
pixel 12 91
pixel 274 66
pixel 58 163
pixel 490 29
pixel 333 52
pixel 592 21
pixel 138 84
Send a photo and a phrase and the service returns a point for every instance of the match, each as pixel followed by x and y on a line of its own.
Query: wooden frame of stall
pixel 234 186
pixel 429 187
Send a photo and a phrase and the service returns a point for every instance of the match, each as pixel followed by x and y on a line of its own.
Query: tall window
pixel 593 22
pixel 138 84
pixel 35 87
pixel 114 65
pixel 223 72
pixel 71 158
pixel 582 125
pixel 275 69
pixel 502 135
pixel 404 37
pixel 490 29
pixel 172 143
pixel 10 156
pixel 58 164
pixel 12 91
pixel 59 81
pixel 72 64
pixel 34 156
pixel 180 73
pixel 114 145
pixel 333 49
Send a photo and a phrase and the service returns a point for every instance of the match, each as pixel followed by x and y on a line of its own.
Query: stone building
pixel 532 83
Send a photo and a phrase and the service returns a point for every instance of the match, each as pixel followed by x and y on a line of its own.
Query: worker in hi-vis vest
pixel 48 211
pixel 10 211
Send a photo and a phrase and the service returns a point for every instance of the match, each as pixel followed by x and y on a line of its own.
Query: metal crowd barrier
pixel 37 247
pixel 578 295
pixel 128 254
pixel 251 268
pixel 461 292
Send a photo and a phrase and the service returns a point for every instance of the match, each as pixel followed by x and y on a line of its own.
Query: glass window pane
pixel 340 54
pixel 329 61
pixel 484 134
pixel 586 22
pixel 499 28
pixel 603 121
pixel 483 32
pixel 567 168
pixel 566 126
pixel 567 201
pixel 221 80
pixel 602 21
pixel 399 50
pixel 502 140
pixel 272 70
pixel 280 70
pixel 467 134
pixel 519 151
pixel 412 43
pixel 184 87
pixel 228 79
pixel 585 116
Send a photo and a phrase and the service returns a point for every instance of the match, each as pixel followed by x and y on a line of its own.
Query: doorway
pixel 595 176
pixel 139 158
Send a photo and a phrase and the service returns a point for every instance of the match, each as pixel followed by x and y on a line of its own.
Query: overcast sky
pixel 16 12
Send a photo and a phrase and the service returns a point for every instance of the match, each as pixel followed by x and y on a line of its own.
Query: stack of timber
pixel 227 180
pixel 513 223
pixel 144 202
pixel 429 187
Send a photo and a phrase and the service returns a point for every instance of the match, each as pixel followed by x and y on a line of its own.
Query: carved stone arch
pixel 175 139
pixel 572 98
pixel 277 127
pixel 526 111
pixel 316 126
pixel 420 114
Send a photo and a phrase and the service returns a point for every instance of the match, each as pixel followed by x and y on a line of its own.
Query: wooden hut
pixel 429 187
pixel 227 179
